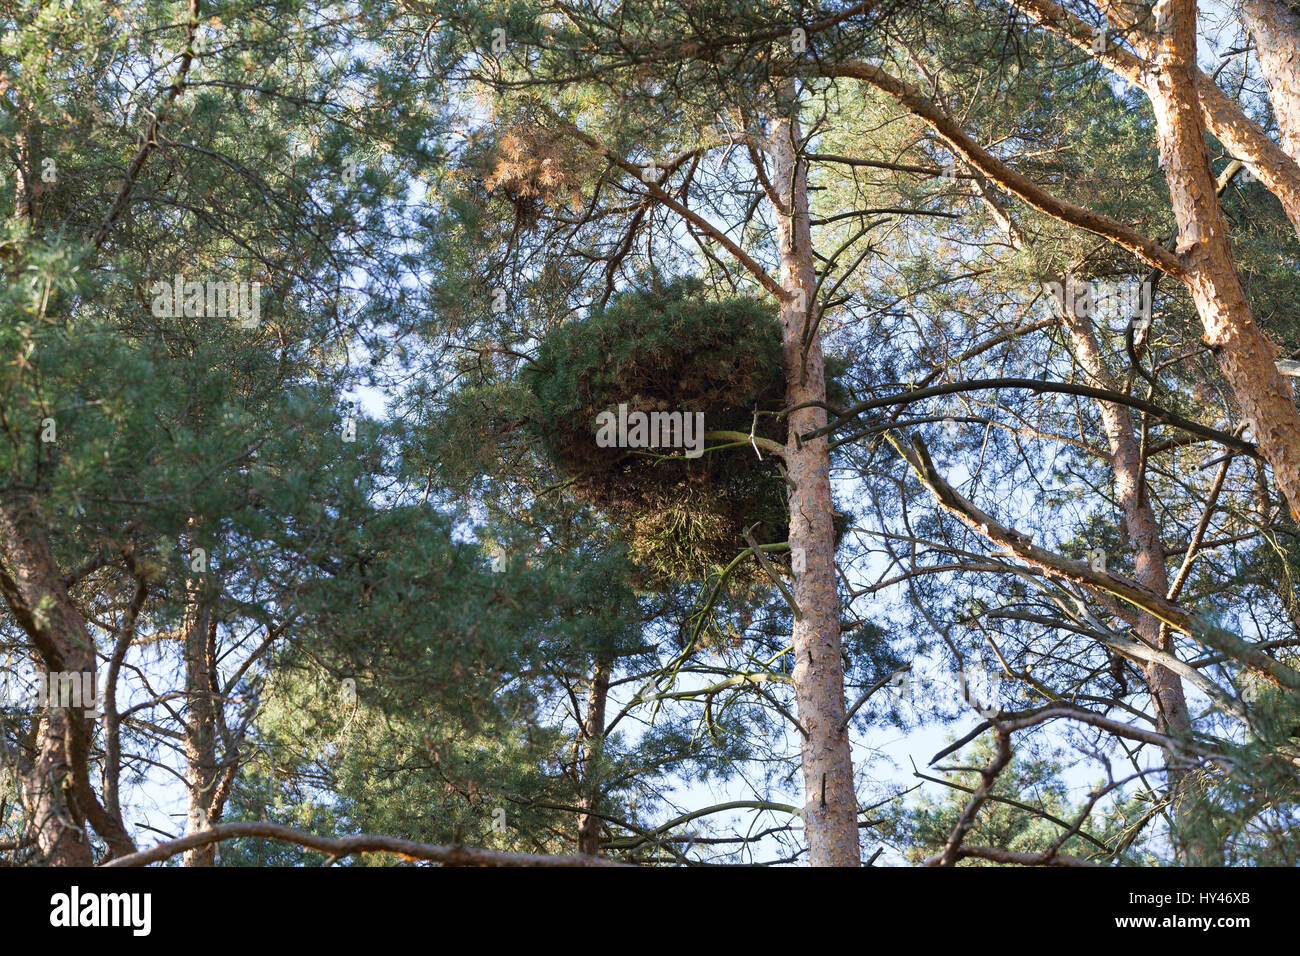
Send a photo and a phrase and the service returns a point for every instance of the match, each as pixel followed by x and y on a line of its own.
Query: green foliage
pixel 671 349
pixel 407 621
pixel 336 758
pixel 1246 809
pixel 1028 811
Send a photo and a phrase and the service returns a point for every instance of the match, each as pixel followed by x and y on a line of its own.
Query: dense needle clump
pixel 671 350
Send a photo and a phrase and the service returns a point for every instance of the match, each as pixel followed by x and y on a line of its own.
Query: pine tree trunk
pixel 1245 354
pixel 830 804
pixel 1276 31
pixel 198 632
pixel 1167 698
pixel 593 740
pixel 60 828
pixel 1140 518
pixel 34 592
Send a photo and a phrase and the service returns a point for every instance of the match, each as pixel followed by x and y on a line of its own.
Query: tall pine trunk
pixel 830 804
pixel 1275 29
pixel 198 634
pixel 593 739
pixel 34 592
pixel 1245 355
pixel 1167 698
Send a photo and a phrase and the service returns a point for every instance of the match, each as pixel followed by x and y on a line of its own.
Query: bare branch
pixel 337 848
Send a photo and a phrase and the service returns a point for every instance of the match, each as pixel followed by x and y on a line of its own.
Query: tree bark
pixel 1203 261
pixel 1143 527
pixel 830 804
pixel 593 742
pixel 1245 355
pixel 1274 167
pixel 1276 31
pixel 1167 698
pixel 199 629
pixel 54 782
pixel 35 595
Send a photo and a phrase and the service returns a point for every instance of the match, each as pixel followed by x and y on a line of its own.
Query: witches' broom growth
pixel 672 350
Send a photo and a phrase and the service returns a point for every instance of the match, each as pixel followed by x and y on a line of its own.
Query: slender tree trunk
pixel 202 700
pixel 830 804
pixel 593 745
pixel 199 637
pixel 55 783
pixel 1276 31
pixel 1143 527
pixel 1167 698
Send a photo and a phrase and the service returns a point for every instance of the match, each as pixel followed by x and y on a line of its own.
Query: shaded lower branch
pixel 339 847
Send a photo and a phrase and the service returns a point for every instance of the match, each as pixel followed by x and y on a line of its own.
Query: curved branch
pixel 999 855
pixel 1279 173
pixel 661 196
pixel 914 101
pixel 150 137
pixel 336 848
pixel 1226 439
pixel 1022 547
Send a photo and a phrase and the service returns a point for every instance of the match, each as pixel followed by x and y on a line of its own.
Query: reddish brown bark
pixel 1140 519
pixel 1278 171
pixel 830 807
pixel 1203 261
pixel 1245 355
pixel 198 632
pixel 593 739
pixel 35 595
pixel 57 794
pixel 1275 28
pixel 1168 701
